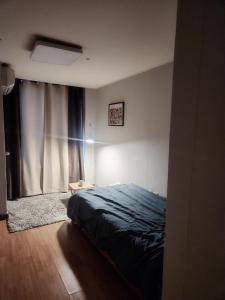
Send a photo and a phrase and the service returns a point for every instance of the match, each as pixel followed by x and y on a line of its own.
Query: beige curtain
pixel 55 165
pixel 32 128
pixel 44 132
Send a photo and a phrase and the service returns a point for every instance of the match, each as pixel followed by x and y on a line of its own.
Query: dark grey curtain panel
pixel 76 124
pixel 11 104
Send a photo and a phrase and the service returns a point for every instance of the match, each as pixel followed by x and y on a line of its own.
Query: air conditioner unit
pixel 7 78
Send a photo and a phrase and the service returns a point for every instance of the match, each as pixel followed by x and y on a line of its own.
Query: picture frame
pixel 116 113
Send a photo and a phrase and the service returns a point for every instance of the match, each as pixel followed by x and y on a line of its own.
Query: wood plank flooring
pixel 56 262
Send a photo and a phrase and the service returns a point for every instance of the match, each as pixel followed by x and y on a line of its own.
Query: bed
pixel 127 223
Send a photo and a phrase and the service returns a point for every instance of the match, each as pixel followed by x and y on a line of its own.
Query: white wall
pixel 90 124
pixel 137 152
pixel 2 159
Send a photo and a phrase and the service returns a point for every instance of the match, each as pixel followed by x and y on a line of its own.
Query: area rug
pixel 29 212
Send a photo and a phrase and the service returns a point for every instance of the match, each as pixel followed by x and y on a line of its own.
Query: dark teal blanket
pixel 127 222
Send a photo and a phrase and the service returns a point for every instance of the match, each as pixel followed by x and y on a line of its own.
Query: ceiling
pixel 120 38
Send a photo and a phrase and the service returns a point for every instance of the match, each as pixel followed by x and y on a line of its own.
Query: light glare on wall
pixel 89 141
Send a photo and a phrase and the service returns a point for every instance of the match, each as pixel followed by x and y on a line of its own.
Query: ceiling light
pixel 54 53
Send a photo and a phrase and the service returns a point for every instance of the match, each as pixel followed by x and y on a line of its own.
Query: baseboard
pixel 4 217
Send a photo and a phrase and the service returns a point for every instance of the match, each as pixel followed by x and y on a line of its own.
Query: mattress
pixel 128 223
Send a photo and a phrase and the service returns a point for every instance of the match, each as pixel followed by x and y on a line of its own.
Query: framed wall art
pixel 116 114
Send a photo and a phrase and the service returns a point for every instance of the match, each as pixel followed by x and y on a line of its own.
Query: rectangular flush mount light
pixel 54 53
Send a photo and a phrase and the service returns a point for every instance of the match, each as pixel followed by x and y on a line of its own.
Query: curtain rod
pixel 42 82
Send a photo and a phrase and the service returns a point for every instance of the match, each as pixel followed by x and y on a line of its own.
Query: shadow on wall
pixel 97 278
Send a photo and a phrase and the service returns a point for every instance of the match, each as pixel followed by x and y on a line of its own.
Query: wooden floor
pixel 55 262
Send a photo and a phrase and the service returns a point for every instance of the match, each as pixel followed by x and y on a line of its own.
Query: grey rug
pixel 29 212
